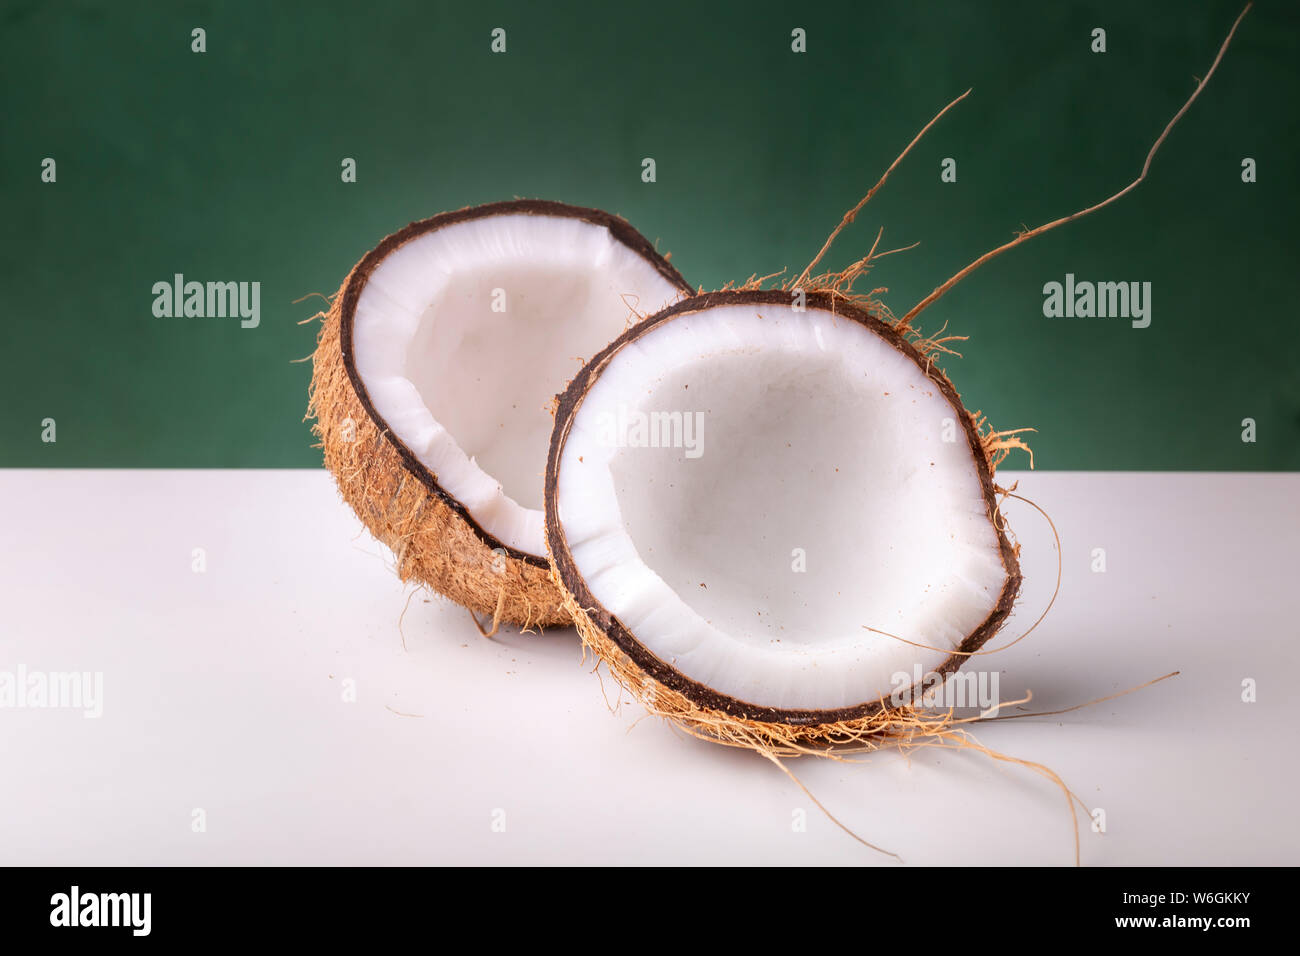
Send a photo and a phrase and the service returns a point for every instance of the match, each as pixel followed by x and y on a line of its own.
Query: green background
pixel 225 166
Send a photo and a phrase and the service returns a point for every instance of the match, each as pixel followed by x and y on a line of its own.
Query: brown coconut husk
pixel 700 709
pixel 589 615
pixel 432 540
pixel 435 540
pixel 877 725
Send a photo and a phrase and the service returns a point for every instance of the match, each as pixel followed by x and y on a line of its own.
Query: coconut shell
pixel 434 538
pixel 698 708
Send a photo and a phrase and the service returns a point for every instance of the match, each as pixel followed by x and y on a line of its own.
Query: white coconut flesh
pixel 462 335
pixel 830 489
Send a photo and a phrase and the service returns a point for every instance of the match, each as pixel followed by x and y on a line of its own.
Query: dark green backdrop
pixel 225 166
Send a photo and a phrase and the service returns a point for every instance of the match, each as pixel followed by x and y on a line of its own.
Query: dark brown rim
pixel 665 674
pixel 618 227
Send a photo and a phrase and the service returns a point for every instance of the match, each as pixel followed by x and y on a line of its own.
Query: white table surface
pixel 224 691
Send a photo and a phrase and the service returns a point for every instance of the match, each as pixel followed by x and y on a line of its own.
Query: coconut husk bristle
pixel 889 726
pixel 435 543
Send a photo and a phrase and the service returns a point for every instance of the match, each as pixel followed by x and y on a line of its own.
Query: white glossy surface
pixel 223 692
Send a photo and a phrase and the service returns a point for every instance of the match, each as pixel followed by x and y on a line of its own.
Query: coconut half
pixel 433 380
pixel 741 494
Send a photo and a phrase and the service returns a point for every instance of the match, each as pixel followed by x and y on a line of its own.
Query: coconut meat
pixel 462 335
pixel 826 487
